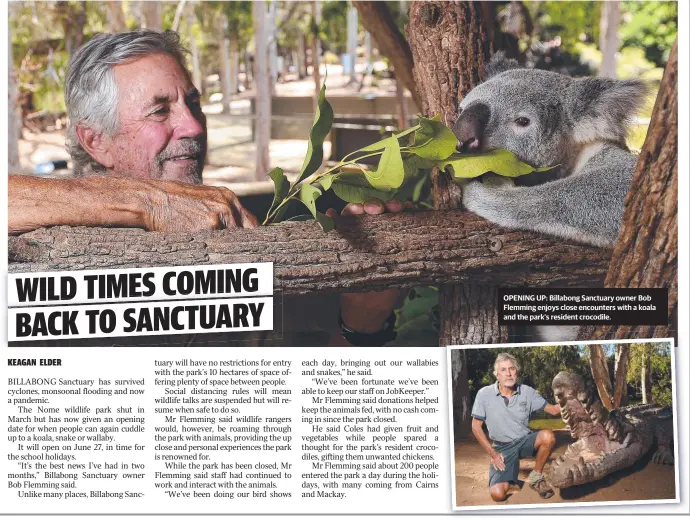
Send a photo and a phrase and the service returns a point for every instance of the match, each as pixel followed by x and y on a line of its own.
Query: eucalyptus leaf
pixel 327 180
pixel 433 140
pixel 281 186
pixel 380 145
pixel 308 195
pixel 501 162
pixel 413 163
pixel 353 187
pixel 390 172
pixel 323 120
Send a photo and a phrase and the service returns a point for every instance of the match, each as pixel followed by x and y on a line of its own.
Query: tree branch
pixel 377 19
pixel 362 254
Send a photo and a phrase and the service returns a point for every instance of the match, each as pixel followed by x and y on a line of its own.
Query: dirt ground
pixel 642 481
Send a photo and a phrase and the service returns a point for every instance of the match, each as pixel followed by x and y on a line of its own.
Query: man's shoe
pixel 538 483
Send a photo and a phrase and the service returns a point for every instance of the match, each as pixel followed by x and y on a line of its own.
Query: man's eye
pixel 522 121
pixel 161 111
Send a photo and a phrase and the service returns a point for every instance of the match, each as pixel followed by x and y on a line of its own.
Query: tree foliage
pixel 653 26
pixel 658 356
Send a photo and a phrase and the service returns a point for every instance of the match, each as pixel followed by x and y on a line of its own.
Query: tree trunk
pixel 197 76
pixel 234 66
pixel 646 252
pixel 225 74
pixel 608 39
pixel 316 50
pixel 152 15
pixel 462 408
pixel 73 20
pixel 620 383
pixel 272 39
pixel 14 119
pixel 302 57
pixel 403 116
pixel 352 23
pixel 600 372
pixel 263 93
pixel 450 47
pixel 116 16
pixel 645 375
pixel 377 20
pixel 365 253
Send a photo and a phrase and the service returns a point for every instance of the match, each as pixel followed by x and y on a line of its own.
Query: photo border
pixel 546 505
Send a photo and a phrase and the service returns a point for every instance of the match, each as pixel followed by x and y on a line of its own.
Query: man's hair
pixel 91 93
pixel 504 356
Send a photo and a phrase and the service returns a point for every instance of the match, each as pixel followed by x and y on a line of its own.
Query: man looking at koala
pixel 505 407
pixel 137 137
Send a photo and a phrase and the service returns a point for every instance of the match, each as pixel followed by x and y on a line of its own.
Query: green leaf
pixel 353 187
pixel 380 145
pixel 308 195
pixel 281 186
pixel 390 172
pixel 323 120
pixel 327 180
pixel 501 162
pixel 433 140
pixel 414 163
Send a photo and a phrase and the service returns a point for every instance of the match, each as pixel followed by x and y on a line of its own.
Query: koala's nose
pixel 469 127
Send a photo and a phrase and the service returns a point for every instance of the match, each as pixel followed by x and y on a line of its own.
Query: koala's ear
pixel 499 63
pixel 602 108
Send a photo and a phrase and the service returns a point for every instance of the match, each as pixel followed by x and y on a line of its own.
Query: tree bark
pixel 600 372
pixel 377 20
pixel 462 408
pixel 646 253
pixel 362 254
pixel 620 383
pixel 450 48
pixel 263 93
pixel 14 119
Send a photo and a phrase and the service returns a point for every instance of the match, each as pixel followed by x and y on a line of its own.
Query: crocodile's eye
pixel 522 121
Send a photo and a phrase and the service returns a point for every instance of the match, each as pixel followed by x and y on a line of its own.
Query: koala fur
pixel 548 119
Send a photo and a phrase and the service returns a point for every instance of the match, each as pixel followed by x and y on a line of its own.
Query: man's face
pixel 162 130
pixel 506 374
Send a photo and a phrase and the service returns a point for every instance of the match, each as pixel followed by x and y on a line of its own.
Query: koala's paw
pixel 489 202
pixel 477 197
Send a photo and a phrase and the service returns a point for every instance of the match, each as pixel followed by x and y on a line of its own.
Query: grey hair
pixel 504 356
pixel 91 94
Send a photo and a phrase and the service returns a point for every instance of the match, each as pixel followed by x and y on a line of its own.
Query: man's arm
pixel 484 442
pixel 122 202
pixel 553 409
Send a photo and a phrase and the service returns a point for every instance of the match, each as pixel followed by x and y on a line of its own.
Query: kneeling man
pixel 506 407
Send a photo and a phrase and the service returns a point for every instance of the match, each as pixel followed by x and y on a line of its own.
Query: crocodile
pixel 606 441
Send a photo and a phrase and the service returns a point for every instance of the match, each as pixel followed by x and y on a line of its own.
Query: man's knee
pixel 545 438
pixel 499 492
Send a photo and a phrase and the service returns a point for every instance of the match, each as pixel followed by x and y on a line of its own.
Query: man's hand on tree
pixel 367 312
pixel 178 207
pixel 497 461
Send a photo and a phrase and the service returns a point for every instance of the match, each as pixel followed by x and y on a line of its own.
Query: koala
pixel 547 119
pixel 577 125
